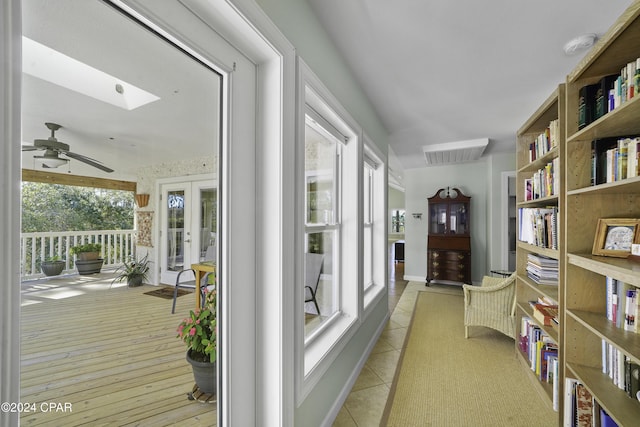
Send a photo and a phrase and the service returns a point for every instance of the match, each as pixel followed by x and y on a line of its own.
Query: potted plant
pixel 52 266
pixel 88 259
pixel 135 271
pixel 199 333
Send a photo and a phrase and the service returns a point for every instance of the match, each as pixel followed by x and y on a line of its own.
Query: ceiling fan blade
pixel 31 148
pixel 88 160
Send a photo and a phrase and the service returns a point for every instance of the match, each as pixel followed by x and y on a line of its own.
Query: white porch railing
pixel 117 247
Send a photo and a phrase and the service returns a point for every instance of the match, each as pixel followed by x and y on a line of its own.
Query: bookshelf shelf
pixel 543 388
pixel 548 291
pixel 619 122
pixel 625 186
pixel 587 329
pixel 617 268
pixel 550 115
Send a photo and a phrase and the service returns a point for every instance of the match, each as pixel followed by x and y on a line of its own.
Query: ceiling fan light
pixel 50 162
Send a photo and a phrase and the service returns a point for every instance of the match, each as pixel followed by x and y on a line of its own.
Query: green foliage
pixel 133 268
pixel 199 331
pixel 54 207
pixel 87 247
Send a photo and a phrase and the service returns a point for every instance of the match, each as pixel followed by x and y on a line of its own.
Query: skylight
pixel 48 64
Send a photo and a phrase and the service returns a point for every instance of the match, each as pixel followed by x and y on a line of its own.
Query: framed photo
pixel 614 237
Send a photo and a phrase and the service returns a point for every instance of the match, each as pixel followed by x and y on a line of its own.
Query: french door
pixel 188 231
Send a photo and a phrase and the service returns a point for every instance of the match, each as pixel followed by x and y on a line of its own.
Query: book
pixel 545 314
pixel 605 86
pixel 584 406
pixel 586 105
pixel 630 310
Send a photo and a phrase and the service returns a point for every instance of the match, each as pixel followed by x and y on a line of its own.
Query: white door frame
pixel 253 163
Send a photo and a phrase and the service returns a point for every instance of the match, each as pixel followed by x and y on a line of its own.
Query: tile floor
pixel 365 404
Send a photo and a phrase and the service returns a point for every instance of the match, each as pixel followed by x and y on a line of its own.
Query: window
pixel 397 221
pixel 328 227
pixel 367 203
pixel 322 223
pixel 374 226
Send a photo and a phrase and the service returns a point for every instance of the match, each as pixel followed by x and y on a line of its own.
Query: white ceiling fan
pixel 54 148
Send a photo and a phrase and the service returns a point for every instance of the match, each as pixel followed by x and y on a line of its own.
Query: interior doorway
pixel 509 221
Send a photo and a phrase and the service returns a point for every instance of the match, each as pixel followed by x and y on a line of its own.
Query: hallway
pixel 366 402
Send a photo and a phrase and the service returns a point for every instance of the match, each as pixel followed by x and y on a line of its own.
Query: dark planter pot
pixel 89 267
pixel 52 268
pixel 134 281
pixel 204 374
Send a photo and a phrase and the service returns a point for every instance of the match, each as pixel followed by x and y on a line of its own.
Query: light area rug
pixel 444 379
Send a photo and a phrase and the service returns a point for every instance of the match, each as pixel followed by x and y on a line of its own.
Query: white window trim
pixel 314 358
pixel 379 194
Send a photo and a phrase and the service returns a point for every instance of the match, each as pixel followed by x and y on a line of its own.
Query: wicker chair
pixel 493 304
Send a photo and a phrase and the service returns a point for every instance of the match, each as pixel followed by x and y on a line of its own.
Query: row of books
pixel 622 304
pixel 614 159
pixel 581 409
pixel 612 91
pixel 545 142
pixel 545 182
pixel 624 373
pixel 542 353
pixel 539 226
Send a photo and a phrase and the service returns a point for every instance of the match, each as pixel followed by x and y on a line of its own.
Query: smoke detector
pixel 580 43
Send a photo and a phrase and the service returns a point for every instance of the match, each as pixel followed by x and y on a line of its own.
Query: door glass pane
pixel 459 219
pixel 208 207
pixel 175 230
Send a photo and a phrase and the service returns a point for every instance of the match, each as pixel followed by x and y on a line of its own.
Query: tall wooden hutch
pixel 449 240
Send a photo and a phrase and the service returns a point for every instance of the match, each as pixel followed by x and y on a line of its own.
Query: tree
pixel 55 207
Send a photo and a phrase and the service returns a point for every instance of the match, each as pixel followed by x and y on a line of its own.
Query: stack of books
pixel 542 270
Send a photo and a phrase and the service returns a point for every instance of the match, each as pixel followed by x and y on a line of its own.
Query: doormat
pixel 166 293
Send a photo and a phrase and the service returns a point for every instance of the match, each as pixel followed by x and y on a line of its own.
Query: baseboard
pixel 346 390
pixel 415 278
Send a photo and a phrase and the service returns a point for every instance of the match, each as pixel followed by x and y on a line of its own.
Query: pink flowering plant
pixel 199 330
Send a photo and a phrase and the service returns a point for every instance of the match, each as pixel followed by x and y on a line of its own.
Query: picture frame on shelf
pixel 614 237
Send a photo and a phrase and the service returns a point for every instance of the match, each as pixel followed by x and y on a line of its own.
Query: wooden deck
pixel 108 353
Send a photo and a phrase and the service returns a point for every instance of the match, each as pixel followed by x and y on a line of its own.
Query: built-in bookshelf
pixel 588 334
pixel 539 253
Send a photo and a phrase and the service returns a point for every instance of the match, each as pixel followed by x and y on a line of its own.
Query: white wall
pixel 481 181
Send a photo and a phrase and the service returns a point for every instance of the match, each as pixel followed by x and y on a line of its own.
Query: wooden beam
pixel 77 180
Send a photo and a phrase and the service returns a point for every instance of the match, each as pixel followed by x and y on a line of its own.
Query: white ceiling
pixel 440 71
pixel 436 71
pixel 183 123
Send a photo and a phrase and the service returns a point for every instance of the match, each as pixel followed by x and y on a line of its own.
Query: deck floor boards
pixel 108 350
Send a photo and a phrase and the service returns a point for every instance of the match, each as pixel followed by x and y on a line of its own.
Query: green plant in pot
pixel 87 251
pixel 199 332
pixel 88 259
pixel 134 271
pixel 52 266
